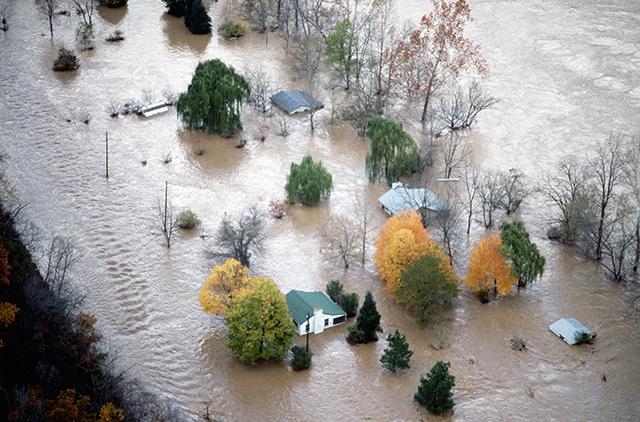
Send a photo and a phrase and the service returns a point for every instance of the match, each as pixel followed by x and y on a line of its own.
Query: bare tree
pixel 515 191
pixel 4 16
pixel 242 236
pixel 448 226
pixel 454 152
pixel 567 192
pixel 342 239
pixel 262 14
pixel 283 125
pixel 307 56
pixel 365 105
pixel 632 178
pixel 168 222
pixel 470 176
pixel 364 219
pixel 60 257
pixel 49 7
pixel 459 110
pixel 86 9
pixel 617 242
pixel 491 196
pixel 262 88
pixel 605 171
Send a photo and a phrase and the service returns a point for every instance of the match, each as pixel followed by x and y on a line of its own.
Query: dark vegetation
pixel 231 29
pixel 367 324
pixel 300 358
pixel 308 183
pixel 66 61
pixel 53 365
pixel 347 301
pixel 196 18
pixel 113 3
pixel 435 391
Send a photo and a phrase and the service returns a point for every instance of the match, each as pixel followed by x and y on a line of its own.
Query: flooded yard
pixel 566 74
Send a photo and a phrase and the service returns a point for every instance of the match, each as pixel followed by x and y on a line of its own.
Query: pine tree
pixel 435 391
pixel 196 18
pixel 367 323
pixel 176 7
pixel 397 355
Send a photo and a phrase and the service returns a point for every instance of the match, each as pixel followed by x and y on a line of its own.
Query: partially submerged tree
pixel 176 7
pixel 334 290
pixel 367 323
pixel 49 7
pixel 471 179
pixel 260 326
pixel 459 111
pixel 397 355
pixel 86 9
pixel 393 152
pixel 113 3
pixel 342 239
pixel 223 285
pixel 261 87
pixel 308 183
pixel 437 52
pixel 241 237
pixel 454 152
pixel 489 269
pixel 167 221
pixel 341 49
pixel 435 391
pixel 617 242
pixel 632 179
pixel 213 99
pixel 491 196
pixel 66 60
pixel 196 18
pixel 523 256
pixel 514 189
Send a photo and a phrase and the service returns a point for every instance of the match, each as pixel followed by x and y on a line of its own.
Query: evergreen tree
pixel 349 303
pixel 196 18
pixel 522 255
pixel 300 358
pixel 176 7
pixel 334 290
pixel 308 183
pixel 213 99
pixel 112 3
pixel 367 323
pixel 393 154
pixel 435 391
pixel 397 355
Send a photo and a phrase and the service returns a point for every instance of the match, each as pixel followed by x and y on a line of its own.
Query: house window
pixel 338 320
pixel 326 322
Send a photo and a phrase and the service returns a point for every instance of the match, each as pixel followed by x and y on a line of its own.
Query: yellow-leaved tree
pixel 223 285
pixel 403 240
pixel 488 267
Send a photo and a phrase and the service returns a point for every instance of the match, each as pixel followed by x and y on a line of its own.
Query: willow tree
pixel 308 183
pixel 213 99
pixel 521 253
pixel 393 154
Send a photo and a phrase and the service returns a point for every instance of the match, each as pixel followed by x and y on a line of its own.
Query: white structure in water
pixel 153 109
pixel 571 331
pixel 316 308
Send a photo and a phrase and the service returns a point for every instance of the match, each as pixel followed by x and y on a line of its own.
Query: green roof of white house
pixel 302 303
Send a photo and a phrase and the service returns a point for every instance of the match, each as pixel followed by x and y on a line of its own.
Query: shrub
pixel 334 290
pixel 196 18
pixel 66 61
pixel 435 389
pixel 518 343
pixel 113 3
pixel 583 337
pixel 84 37
pixel 355 336
pixel 115 36
pixel 301 358
pixel 231 29
pixel 308 183
pixel 278 209
pixel 483 295
pixel 188 220
pixel 349 303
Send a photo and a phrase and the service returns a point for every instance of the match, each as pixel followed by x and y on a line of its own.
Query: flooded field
pixel 566 74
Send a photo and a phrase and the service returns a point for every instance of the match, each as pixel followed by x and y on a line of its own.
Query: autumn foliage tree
pixel 437 52
pixel 488 268
pixel 223 285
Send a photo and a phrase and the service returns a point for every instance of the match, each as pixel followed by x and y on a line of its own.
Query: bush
pixel 334 290
pixel 278 209
pixel 435 391
pixel 483 295
pixel 231 29
pixel 115 36
pixel 518 343
pixel 112 3
pixel 197 19
pixel 301 358
pixel 355 336
pixel 308 183
pixel 188 220
pixel 349 303
pixel 84 37
pixel 66 61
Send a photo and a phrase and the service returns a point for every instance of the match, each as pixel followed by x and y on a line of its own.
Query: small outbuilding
pixel 294 102
pixel 571 331
pixel 316 307
pixel 400 198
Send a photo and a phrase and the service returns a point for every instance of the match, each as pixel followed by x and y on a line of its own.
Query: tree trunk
pixel 51 25
pixel 425 109
pixel 636 259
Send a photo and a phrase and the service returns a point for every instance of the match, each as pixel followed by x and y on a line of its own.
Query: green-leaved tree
pixel 393 152
pixel 213 99
pixel 425 289
pixel 397 355
pixel 340 51
pixel 522 255
pixel 308 183
pixel 260 327
pixel 435 391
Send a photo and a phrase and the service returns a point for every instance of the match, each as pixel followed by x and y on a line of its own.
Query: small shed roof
pixel 400 198
pixel 296 101
pixel 300 303
pixel 570 328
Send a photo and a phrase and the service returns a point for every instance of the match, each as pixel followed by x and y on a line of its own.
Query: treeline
pixel 53 366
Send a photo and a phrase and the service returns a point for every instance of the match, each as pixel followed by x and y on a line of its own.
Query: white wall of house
pixel 317 323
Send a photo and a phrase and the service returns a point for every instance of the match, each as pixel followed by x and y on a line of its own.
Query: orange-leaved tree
pixel 403 240
pixel 223 285
pixel 488 267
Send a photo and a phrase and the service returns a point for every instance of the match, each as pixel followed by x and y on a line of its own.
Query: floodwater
pixel 566 72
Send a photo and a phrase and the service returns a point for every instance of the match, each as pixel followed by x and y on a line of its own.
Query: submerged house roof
pixel 570 329
pixel 400 198
pixel 302 303
pixel 294 102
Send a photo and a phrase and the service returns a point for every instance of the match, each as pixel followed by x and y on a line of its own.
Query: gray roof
pixel 568 328
pixel 400 198
pixel 302 303
pixel 296 101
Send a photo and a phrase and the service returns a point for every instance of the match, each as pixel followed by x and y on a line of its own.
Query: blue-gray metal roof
pixel 568 328
pixel 296 101
pixel 401 198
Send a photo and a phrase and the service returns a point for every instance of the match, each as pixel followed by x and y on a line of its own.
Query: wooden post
pixel 308 317
pixel 106 155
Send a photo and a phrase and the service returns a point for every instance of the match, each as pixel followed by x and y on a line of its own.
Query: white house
pixel 316 308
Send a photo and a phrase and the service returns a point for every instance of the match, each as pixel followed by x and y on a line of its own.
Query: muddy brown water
pixel 566 73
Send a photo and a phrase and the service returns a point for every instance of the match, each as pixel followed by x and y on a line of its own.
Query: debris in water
pixel 518 343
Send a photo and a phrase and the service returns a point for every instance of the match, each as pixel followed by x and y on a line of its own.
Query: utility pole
pixel 308 317
pixel 166 194
pixel 106 155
